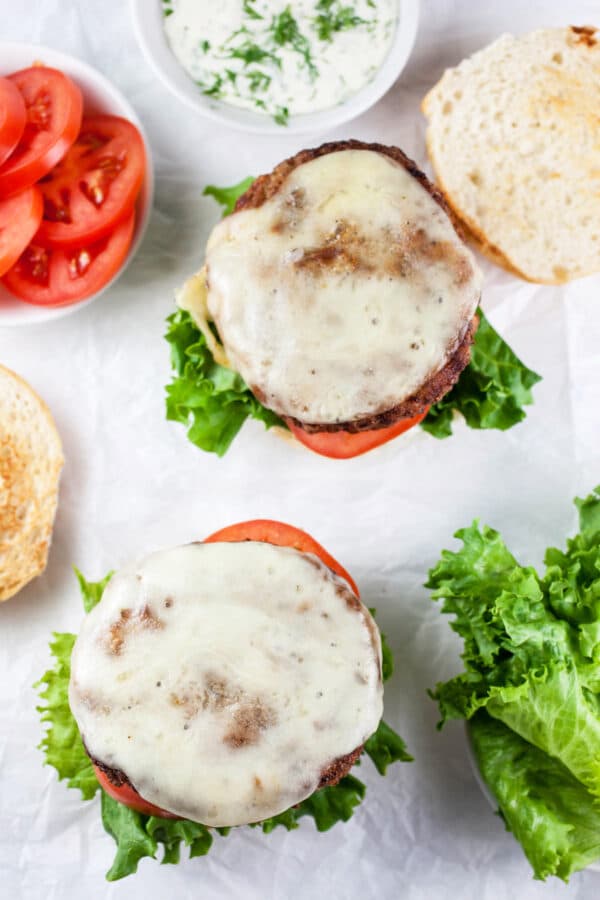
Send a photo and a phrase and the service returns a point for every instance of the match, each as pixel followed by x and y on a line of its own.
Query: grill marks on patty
pixel 250 719
pixel 246 716
pixel 128 623
pixel 396 254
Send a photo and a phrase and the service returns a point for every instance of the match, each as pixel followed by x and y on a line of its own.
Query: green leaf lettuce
pixel 550 813
pixel 490 393
pixel 227 197
pixel 532 663
pixel 211 400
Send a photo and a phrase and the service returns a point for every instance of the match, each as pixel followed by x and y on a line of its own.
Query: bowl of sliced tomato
pixel 76 183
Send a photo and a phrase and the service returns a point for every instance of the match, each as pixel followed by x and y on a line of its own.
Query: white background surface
pixel 132 483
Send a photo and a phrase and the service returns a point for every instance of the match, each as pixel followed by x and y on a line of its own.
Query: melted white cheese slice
pixel 223 679
pixel 344 293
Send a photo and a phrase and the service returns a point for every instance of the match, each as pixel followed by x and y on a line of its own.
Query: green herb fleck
pixel 333 17
pixel 257 80
pixel 214 89
pixel 282 115
pixel 249 53
pixel 250 11
pixel 285 31
pixel 205 46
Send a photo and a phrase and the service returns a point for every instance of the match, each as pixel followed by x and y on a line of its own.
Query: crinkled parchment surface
pixel 132 483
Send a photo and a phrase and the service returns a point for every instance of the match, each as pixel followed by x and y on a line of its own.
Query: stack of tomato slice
pixel 68 187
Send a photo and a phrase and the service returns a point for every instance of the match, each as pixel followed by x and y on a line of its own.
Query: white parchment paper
pixel 133 483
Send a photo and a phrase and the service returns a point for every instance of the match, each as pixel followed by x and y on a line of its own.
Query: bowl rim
pixel 147 23
pixel 71 64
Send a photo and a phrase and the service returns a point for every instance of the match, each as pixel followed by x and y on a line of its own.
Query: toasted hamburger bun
pixel 226 682
pixel 514 139
pixel 31 460
pixel 341 289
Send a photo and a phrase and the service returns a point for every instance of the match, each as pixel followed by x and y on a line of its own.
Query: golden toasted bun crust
pixel 31 460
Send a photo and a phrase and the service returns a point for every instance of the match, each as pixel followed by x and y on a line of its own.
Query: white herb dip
pixel 277 57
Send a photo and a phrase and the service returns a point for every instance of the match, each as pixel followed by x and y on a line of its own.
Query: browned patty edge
pixel 331 775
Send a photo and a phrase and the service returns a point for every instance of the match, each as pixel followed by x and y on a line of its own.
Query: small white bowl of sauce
pixel 272 66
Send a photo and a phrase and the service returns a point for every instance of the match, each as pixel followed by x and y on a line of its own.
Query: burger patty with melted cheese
pixel 341 289
pixel 227 682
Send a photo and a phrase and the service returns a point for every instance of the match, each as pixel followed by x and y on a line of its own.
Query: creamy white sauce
pixel 358 334
pixel 221 46
pixel 224 678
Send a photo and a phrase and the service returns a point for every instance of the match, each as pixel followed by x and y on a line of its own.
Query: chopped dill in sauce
pixel 277 57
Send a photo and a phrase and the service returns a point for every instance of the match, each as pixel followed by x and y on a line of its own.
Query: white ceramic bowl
pixel 148 21
pixel 99 96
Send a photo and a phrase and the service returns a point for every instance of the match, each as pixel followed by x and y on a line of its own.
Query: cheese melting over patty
pixel 223 679
pixel 344 292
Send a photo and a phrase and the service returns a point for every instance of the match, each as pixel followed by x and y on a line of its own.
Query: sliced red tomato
pixel 95 185
pixel 282 535
pixel 345 445
pixel 48 277
pixel 130 797
pixel 20 217
pixel 12 118
pixel 54 107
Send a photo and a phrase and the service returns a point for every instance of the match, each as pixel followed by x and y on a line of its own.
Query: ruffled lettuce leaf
pixel 138 836
pixel 213 402
pixel 490 393
pixel 386 747
pixel 554 818
pixel 327 807
pixel 531 651
pixel 91 591
pixel 61 743
pixel 227 197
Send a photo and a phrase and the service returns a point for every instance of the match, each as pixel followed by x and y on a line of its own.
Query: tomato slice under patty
pixel 12 117
pixel 54 107
pixel 267 531
pixel 20 217
pixel 47 277
pixel 128 796
pixel 345 445
pixel 95 185
pixel 282 535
